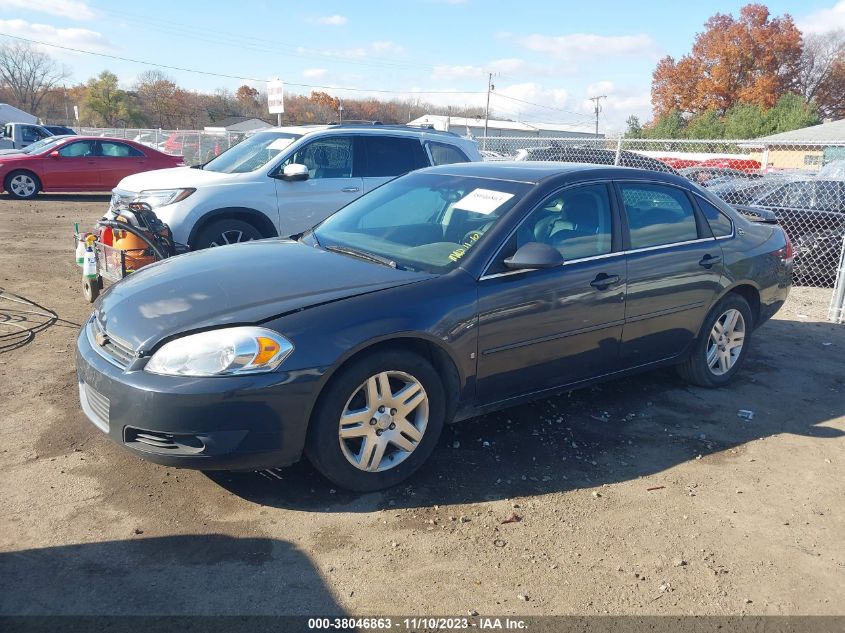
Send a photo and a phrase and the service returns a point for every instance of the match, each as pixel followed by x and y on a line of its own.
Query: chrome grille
pixel 111 348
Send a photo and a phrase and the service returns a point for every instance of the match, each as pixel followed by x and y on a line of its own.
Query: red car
pixel 77 163
pixel 678 163
pixel 747 165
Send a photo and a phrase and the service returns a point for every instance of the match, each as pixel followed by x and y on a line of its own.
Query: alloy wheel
pixel 726 340
pixel 233 236
pixel 383 421
pixel 22 185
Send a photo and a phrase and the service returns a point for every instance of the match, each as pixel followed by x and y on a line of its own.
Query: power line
pixel 540 105
pixel 239 77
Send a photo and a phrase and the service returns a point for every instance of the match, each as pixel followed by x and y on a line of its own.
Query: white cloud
pixel 71 37
pixel 506 66
pixel 618 106
pixel 373 49
pixel 314 73
pixel 580 47
pixel 73 9
pixel 333 20
pixel 824 20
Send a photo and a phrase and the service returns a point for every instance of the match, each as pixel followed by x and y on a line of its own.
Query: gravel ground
pixel 641 496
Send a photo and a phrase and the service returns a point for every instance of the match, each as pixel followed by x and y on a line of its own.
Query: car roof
pixel 367 128
pixel 535 172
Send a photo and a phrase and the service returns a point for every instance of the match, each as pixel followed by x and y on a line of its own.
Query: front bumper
pixel 215 423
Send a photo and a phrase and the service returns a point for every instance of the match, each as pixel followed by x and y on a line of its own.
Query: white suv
pixel 285 180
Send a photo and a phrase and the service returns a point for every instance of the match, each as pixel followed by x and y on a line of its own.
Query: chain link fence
pixel 801 182
pixel 195 146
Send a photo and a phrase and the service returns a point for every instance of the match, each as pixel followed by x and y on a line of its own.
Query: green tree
pixel 708 124
pixel 670 125
pixel 635 129
pixel 745 120
pixel 107 104
pixel 791 112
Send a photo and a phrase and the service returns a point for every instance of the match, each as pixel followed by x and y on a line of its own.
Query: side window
pixel 442 154
pixel 578 222
pixel 78 149
pixel 389 156
pixel 329 157
pixel 119 150
pixel 30 134
pixel 658 215
pixel 720 224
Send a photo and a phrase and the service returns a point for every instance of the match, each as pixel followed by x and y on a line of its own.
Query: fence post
pixel 836 314
pixel 618 151
pixel 765 162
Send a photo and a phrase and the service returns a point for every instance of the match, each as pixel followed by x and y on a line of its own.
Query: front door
pixel 74 168
pixel 330 185
pixel 674 272
pixel 540 329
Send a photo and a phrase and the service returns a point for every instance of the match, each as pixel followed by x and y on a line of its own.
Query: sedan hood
pixel 174 177
pixel 244 283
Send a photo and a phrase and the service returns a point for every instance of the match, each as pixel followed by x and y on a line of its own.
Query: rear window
pixel 442 154
pixel 720 224
pixel 389 156
pixel 658 215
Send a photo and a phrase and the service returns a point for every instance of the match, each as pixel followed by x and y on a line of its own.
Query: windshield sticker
pixel 459 252
pixel 280 143
pixel 483 201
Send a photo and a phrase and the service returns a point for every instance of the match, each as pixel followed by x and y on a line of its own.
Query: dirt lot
pixel 643 496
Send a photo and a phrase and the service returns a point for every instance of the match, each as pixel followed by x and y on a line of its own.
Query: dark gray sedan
pixel 443 294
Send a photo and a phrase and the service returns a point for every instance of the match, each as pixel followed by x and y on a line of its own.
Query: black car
pixel 441 295
pixel 562 152
pixel 60 130
pixel 705 176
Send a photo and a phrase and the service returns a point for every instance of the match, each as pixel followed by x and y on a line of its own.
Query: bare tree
pixel 819 59
pixel 29 74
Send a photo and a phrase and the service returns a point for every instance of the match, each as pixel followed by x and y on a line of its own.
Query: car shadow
pixel 66 197
pixel 613 432
pixel 187 575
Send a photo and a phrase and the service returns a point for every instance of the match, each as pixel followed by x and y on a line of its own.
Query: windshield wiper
pixel 371 257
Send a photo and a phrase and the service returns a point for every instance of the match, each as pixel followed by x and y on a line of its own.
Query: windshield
pixel 424 222
pixel 252 153
pixel 43 144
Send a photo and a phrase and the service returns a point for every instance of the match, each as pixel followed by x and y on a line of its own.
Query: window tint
pixel 326 158
pixel 390 156
pixel 442 154
pixel 108 148
pixel 30 134
pixel 658 215
pixel 78 149
pixel 719 223
pixel 576 221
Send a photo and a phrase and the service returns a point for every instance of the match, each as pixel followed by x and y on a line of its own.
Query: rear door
pixel 386 157
pixel 117 160
pixel 74 169
pixel 331 183
pixel 674 271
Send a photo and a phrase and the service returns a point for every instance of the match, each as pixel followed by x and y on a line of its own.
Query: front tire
pixel 377 422
pixel 224 232
pixel 722 345
pixel 22 185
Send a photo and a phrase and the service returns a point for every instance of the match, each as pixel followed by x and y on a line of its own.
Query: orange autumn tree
pixel 750 59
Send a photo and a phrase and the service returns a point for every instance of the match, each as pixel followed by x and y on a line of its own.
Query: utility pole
pixel 490 88
pixel 597 109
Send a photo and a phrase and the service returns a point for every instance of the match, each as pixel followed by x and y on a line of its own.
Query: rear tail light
pixel 785 253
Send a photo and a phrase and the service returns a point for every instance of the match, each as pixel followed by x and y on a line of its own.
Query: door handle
pixel 350 189
pixel 708 260
pixel 603 281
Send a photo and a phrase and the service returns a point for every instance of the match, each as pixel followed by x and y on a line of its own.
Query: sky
pixel 547 57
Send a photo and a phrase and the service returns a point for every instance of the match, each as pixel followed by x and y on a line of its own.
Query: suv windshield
pixel 252 153
pixel 424 222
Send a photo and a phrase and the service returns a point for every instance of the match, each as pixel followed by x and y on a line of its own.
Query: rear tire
pixel 22 185
pixel 224 232
pixel 351 451
pixel 721 346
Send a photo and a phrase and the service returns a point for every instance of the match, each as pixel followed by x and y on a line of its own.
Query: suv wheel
pixel 224 232
pixel 377 422
pixel 722 346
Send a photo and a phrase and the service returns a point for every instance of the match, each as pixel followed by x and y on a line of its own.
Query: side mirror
pixel 54 153
pixel 294 172
pixel 534 255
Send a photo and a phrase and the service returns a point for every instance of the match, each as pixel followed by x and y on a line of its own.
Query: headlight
pixel 161 197
pixel 226 352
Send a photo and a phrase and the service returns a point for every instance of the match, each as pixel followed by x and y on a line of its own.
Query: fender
pixel 253 216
